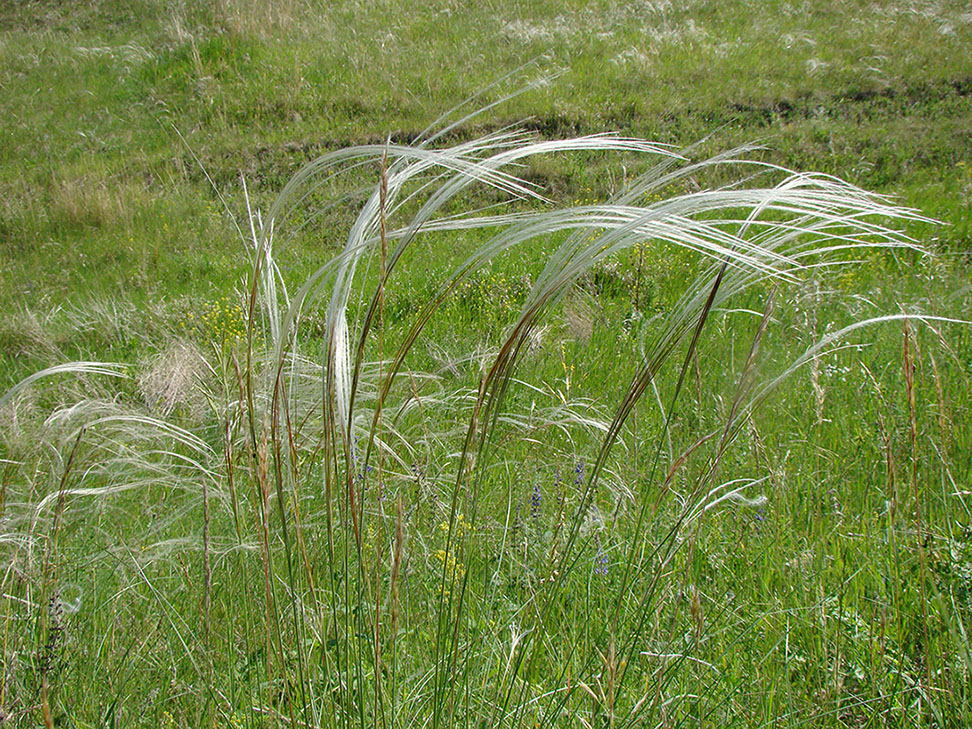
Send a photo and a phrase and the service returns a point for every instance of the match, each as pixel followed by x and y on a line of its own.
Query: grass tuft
pixel 502 501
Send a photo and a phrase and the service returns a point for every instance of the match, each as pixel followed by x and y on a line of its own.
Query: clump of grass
pixel 372 538
pixel 171 379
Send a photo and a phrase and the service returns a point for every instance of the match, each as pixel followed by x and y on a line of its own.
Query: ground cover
pixel 465 550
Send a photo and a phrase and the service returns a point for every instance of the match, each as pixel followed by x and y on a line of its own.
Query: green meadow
pixel 496 364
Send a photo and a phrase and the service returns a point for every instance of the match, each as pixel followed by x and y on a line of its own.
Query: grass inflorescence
pixel 516 501
pixel 472 436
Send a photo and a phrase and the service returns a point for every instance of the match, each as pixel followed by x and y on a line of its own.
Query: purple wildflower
pixel 579 472
pixel 536 500
pixel 600 566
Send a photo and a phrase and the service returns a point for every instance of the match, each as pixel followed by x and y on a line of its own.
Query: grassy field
pixel 469 426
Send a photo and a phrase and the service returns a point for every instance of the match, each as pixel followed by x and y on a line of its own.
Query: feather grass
pixel 289 462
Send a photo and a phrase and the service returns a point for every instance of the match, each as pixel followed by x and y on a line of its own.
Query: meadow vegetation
pixel 324 405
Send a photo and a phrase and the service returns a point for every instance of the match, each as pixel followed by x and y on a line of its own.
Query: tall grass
pixel 394 521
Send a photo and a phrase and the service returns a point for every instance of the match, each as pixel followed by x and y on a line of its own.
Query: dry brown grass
pixel 94 201
pixel 171 379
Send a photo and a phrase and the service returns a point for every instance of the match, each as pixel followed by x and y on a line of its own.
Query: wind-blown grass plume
pixel 751 235
pixel 452 607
